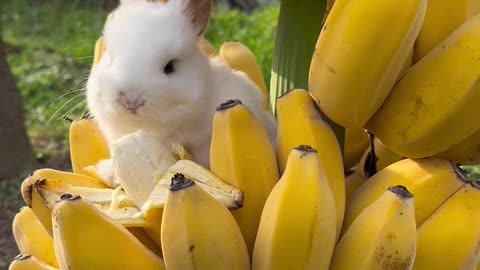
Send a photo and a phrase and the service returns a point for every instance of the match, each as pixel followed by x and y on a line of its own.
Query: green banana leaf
pixel 299 25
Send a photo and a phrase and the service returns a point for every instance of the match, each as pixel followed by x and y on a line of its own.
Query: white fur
pixel 140 38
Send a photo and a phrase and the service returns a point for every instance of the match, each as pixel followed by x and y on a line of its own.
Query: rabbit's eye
pixel 169 67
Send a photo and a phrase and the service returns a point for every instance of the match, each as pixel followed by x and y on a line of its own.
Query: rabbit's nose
pixel 131 103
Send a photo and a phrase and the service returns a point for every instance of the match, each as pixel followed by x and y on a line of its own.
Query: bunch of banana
pixel 432 181
pixel 351 72
pixel 142 163
pixel 288 205
pixel 426 113
pixel 441 19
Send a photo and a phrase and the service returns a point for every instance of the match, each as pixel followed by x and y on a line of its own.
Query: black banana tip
pixel 179 182
pixel 229 104
pixel 306 148
pixel 401 191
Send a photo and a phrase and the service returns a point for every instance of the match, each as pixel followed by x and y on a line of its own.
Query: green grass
pixel 51 50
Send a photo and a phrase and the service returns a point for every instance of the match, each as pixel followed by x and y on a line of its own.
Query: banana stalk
pixel 298 27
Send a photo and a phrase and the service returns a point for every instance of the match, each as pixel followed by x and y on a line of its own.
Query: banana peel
pixel 229 196
pixel 41 196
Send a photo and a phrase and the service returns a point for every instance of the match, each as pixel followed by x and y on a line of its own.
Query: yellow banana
pixel 407 64
pixel 238 57
pixel 298 225
pixel 98 52
pixel 32 238
pixel 198 232
pixel 368 166
pixel 348 92
pixel 85 238
pixel 73 179
pixel 299 122
pixel 356 141
pixel 466 152
pixel 88 145
pixel 383 158
pixel 328 8
pixel 146 239
pixel 28 262
pixel 352 182
pixel 441 19
pixel 423 116
pixel 206 47
pixel 229 196
pixel 242 155
pixel 432 182
pixel 382 237
pixel 35 201
pixel 449 238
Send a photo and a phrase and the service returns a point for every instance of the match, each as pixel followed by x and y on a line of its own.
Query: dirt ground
pixel 8 248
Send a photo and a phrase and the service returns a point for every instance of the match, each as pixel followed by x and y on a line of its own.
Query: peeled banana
pixel 198 232
pixel 423 116
pixel 352 71
pixel 298 224
pixel 382 237
pixel 137 157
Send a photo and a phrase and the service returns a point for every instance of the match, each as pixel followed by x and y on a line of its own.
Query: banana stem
pixel 299 25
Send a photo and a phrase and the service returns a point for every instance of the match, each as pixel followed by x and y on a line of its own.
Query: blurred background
pixel 46 51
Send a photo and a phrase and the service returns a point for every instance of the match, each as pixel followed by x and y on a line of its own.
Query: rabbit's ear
pixel 199 13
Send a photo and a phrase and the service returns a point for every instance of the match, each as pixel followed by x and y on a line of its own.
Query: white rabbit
pixel 152 76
